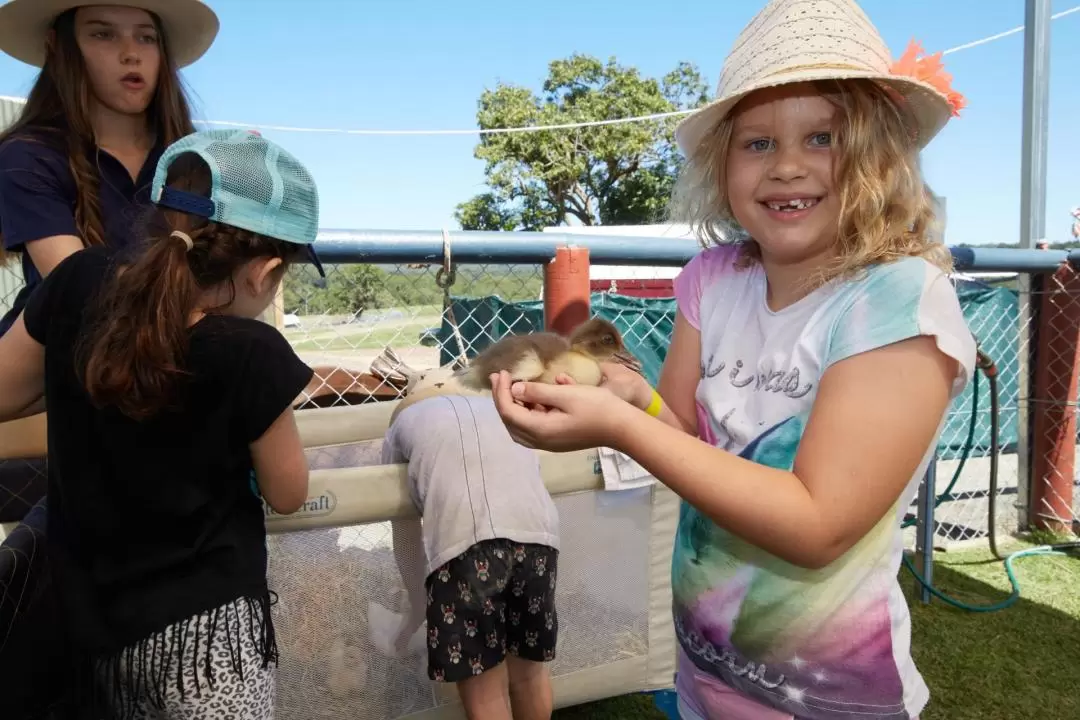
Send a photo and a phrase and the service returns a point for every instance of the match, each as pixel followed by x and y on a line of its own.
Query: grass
pixel 625 707
pixel 400 332
pixel 398 336
pixel 1017 663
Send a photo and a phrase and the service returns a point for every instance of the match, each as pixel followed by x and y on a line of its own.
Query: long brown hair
pixel 57 112
pixel 133 356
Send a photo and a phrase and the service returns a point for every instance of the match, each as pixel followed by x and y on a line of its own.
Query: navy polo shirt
pixel 37 200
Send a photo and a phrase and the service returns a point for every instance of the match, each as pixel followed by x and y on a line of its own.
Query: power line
pixel 470 131
pixel 545 128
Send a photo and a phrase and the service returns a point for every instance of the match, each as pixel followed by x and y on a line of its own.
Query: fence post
pixel 566 290
pixel 1053 447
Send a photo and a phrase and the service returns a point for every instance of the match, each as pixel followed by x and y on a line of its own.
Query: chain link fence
pixel 993 310
pixel 405 307
pixel 22 482
pixel 368 326
pixel 10 283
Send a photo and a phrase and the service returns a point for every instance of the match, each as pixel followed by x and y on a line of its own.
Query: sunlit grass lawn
pixel 400 331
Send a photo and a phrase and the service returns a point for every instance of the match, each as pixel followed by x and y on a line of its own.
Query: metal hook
pixel 447 274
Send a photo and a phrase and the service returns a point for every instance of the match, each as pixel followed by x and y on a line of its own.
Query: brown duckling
pixel 542 356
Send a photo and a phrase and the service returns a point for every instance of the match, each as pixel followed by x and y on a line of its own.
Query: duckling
pixel 542 356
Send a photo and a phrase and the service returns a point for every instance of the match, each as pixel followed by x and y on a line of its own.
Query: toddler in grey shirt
pixel 491 544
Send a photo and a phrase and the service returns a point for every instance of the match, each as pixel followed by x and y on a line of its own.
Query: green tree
pixel 350 289
pixel 607 174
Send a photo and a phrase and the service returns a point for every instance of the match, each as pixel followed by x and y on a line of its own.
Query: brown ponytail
pixel 134 355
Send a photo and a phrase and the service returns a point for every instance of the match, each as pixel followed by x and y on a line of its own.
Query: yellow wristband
pixel 655 404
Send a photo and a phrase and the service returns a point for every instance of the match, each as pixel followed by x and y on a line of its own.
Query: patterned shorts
pixel 496 597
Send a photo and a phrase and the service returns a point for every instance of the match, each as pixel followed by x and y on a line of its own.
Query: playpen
pixel 339 586
pixel 333 563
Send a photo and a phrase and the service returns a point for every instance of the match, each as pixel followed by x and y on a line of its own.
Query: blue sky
pixel 422 64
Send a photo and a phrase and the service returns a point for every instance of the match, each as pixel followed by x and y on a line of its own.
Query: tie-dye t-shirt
pixel 825 644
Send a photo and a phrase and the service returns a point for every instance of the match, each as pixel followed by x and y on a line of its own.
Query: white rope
pixel 545 128
pixel 470 131
pixel 448 265
pixel 1007 33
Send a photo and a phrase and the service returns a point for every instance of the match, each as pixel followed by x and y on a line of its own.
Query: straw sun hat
pixel 792 41
pixel 190 25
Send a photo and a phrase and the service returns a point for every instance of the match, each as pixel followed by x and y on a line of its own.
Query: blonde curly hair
pixel 886 209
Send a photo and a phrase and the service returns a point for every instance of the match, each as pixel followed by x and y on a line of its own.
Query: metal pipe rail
pixel 426 246
pixel 476 247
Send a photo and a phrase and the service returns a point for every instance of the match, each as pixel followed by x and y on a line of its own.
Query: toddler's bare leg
pixel 485 696
pixel 530 689
pixel 409 554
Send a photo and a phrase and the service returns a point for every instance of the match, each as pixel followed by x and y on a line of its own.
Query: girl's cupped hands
pixel 559 418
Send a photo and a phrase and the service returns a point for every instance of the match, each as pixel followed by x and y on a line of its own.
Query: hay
pixel 328 580
pixel 329 665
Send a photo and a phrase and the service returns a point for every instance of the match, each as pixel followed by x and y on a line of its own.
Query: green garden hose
pixel 985 366
pixel 946 494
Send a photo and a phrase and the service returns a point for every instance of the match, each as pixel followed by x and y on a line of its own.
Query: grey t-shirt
pixel 468 478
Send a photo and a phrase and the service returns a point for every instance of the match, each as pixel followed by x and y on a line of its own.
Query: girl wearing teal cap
pixel 165 395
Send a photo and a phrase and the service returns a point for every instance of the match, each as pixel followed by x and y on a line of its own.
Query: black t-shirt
pixel 153 522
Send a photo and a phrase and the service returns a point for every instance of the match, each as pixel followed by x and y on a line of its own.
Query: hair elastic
pixel 188 242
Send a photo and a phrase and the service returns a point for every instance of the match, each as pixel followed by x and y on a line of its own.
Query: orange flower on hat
pixel 915 63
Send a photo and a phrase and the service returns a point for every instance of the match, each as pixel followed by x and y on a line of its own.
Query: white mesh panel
pixel 327 580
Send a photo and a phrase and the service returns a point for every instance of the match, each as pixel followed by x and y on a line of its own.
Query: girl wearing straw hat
pixel 817 346
pixel 75 168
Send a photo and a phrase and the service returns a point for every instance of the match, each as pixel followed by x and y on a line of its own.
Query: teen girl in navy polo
pixel 75 169
pixel 164 396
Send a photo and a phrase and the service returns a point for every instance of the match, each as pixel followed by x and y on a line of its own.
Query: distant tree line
pixel 351 289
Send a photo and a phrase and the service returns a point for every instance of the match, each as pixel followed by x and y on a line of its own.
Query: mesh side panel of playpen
pixel 336 585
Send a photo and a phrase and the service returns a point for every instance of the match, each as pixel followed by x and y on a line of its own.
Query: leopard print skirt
pixel 219 665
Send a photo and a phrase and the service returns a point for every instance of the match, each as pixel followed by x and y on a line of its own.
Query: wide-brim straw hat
pixel 795 41
pixel 190 26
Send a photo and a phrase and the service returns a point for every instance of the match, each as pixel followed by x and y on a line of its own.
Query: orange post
pixel 566 290
pixel 1053 445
